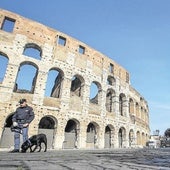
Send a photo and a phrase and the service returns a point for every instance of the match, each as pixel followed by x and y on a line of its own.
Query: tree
pixel 167 132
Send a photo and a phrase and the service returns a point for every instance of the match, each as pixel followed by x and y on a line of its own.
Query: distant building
pixel 154 141
pixel 116 117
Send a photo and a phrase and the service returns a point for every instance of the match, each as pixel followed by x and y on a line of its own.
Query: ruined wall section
pixel 91 65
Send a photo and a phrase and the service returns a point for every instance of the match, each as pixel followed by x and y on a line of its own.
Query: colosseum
pixel 81 98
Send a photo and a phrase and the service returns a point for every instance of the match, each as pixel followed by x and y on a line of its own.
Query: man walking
pixel 22 117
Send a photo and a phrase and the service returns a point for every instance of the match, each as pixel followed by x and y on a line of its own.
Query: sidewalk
pixel 115 159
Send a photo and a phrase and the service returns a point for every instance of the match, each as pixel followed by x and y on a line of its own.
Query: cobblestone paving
pixel 115 159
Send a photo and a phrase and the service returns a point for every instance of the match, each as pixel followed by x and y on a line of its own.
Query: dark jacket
pixel 23 115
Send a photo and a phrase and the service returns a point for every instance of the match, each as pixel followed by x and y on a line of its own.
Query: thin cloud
pixel 158 105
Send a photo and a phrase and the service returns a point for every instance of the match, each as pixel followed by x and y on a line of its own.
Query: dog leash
pixel 29 141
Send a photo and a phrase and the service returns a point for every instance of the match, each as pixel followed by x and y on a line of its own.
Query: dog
pixel 36 141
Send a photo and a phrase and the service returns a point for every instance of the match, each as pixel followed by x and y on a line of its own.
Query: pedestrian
pixel 21 119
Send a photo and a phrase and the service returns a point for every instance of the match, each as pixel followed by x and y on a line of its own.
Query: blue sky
pixel 134 33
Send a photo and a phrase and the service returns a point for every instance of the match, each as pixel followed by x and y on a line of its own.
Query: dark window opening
pixel 111 68
pixel 61 40
pixel 121 105
pixel 8 24
pixel 91 128
pixel 111 80
pixel 110 100
pixel 107 129
pixel 47 123
pixel 120 137
pixel 71 126
pixel 131 105
pixel 81 49
pixel 8 121
pixel 76 86
pixel 127 77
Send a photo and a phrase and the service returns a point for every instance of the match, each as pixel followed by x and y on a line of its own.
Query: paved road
pixel 115 159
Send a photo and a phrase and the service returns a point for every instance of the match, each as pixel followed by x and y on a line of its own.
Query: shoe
pixel 14 151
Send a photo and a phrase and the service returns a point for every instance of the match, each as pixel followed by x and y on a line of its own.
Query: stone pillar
pixel 103 103
pixel 40 87
pixel 65 96
pixel 116 141
pixel 86 95
pixel 8 84
pixel 116 111
pixel 101 138
pixel 59 137
pixel 83 136
pixel 126 108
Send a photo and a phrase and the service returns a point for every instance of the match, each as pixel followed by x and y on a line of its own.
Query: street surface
pixel 114 159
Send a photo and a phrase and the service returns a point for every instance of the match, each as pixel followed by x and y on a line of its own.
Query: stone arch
pixel 142 113
pixel 143 139
pixel 131 137
pixel 95 96
pixel 72 130
pixel 110 100
pixel 33 50
pixel 55 75
pixel 7 137
pixel 48 126
pixel 147 138
pixel 122 104
pixel 77 85
pixel 141 100
pixel 109 136
pixel 111 80
pixel 131 106
pixel 138 138
pixel 137 109
pixel 26 78
pixel 121 137
pixel 4 63
pixel 92 135
pixel 145 115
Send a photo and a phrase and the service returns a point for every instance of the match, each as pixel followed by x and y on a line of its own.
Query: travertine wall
pixel 130 128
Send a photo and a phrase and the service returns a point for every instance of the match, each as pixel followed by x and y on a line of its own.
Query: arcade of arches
pixel 72 134
pixel 81 98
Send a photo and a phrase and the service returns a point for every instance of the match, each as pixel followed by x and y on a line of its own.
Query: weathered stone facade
pixel 118 116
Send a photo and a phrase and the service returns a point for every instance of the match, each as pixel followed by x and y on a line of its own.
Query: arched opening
pixel 92 137
pixel 143 140
pixel 121 137
pixel 131 138
pixel 137 110
pixel 4 63
pixel 71 134
pixel 109 136
pixel 131 106
pixel 26 79
pixel 7 138
pixel 95 93
pixel 48 125
pixel 110 100
pixel 142 113
pixel 33 50
pixel 138 138
pixel 54 83
pixel 77 85
pixel 111 81
pixel 122 100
